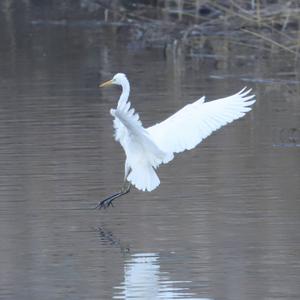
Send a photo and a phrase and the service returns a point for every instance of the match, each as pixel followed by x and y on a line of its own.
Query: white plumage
pixel 147 148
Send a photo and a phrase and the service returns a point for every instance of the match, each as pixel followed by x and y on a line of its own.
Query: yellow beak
pixel 106 83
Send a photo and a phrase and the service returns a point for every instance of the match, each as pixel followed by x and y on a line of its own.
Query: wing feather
pixel 186 128
pixel 136 139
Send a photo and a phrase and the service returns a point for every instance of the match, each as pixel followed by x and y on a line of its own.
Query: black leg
pixel 109 201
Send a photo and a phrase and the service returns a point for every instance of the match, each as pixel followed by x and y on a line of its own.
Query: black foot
pixel 108 201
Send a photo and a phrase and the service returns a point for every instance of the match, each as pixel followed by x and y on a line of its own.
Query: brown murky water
pixel 224 224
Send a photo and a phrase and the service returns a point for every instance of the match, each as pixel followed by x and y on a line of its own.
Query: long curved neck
pixel 125 93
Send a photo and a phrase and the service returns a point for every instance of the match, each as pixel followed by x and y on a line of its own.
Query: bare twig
pixel 270 41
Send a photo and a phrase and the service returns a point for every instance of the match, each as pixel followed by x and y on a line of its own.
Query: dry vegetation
pixel 274 24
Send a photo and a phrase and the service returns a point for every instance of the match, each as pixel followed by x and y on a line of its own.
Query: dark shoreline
pixel 273 27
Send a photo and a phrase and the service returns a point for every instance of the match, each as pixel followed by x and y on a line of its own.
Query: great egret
pixel 147 148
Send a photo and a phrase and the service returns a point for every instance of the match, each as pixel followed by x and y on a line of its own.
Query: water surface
pixel 224 223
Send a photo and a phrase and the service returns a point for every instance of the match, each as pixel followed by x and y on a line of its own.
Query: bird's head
pixel 118 79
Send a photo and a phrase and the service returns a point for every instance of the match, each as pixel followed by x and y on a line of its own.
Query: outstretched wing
pixel 189 126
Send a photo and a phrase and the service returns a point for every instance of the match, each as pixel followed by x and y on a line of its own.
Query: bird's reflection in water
pixel 144 280
pixel 107 237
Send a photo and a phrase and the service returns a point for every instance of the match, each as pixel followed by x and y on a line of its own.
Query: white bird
pixel 147 148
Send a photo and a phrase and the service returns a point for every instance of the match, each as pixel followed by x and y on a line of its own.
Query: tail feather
pixel 143 177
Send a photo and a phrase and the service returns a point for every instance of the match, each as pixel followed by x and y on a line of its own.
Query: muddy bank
pixel 273 26
pixel 186 27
